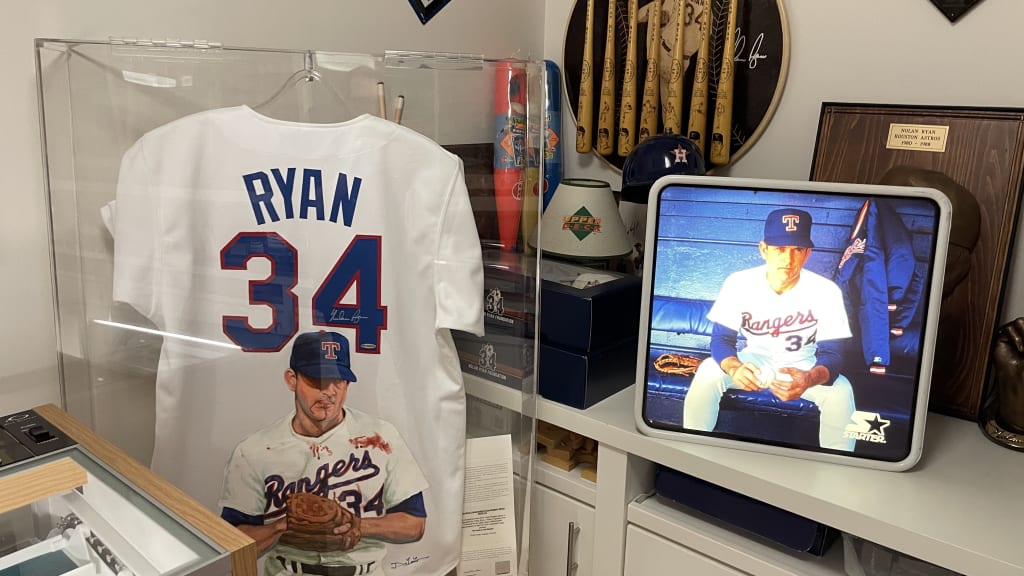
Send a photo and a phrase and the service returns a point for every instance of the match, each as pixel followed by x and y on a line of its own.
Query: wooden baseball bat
pixel 606 115
pixel 652 92
pixel 627 109
pixel 673 104
pixel 721 130
pixel 698 118
pixel 585 120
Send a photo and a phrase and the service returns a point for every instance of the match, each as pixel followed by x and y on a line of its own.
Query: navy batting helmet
pixel 657 156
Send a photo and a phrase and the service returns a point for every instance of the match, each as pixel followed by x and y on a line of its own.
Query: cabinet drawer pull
pixel 570 559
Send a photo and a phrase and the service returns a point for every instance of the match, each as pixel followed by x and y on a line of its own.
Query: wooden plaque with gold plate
pixel 975 156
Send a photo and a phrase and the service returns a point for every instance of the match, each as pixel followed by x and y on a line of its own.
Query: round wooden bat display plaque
pixel 760 58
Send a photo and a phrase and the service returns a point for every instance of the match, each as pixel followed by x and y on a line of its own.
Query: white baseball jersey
pixel 363 463
pixel 235 232
pixel 787 326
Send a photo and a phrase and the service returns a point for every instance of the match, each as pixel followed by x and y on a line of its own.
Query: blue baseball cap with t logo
pixel 788 227
pixel 322 355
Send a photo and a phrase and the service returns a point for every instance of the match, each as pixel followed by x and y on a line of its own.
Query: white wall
pixel 28 368
pixel 901 51
pixel 885 51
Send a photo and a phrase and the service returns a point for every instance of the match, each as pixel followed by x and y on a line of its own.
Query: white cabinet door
pixel 648 553
pixel 551 515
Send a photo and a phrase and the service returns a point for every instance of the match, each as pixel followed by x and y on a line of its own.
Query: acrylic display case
pixel 97 99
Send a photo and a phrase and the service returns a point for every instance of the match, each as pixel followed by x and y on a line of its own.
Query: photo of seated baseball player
pixel 793 321
pixel 324 489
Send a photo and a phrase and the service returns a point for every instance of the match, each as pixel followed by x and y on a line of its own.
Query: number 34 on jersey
pixel 358 267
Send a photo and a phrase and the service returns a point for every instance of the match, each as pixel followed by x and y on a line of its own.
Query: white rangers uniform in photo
pixel 377 472
pixel 781 330
pixel 235 232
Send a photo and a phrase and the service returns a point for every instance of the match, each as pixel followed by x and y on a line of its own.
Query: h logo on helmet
pixel 330 350
pixel 791 221
pixel 681 154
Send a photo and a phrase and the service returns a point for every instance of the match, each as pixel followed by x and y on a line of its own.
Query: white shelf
pixel 495 393
pixel 960 508
pixel 736 549
pixel 569 483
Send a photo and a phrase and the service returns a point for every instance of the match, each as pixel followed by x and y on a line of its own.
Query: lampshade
pixel 582 222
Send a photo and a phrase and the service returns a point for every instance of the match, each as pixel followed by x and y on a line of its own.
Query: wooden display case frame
pixel 241 548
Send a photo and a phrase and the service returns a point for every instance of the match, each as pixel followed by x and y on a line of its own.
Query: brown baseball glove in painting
pixel 673 363
pixel 311 523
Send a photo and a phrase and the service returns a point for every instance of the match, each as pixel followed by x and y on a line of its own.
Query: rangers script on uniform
pixel 386 470
pixel 235 232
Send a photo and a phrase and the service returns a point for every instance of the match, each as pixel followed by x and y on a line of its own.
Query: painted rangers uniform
pixel 362 463
pixel 277 461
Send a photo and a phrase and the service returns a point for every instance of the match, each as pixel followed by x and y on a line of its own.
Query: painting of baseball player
pixel 326 448
pixel 793 321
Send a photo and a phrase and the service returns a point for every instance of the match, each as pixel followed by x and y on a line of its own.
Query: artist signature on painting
pixel 409 561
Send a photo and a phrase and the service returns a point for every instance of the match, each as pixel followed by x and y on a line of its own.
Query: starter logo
pixel 582 223
pixel 867 426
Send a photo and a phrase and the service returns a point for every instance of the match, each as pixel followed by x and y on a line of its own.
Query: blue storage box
pixel 582 308
pixel 585 309
pixel 781 526
pixel 581 379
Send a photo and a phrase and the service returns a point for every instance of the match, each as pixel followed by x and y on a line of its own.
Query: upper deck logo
pixel 867 426
pixel 582 223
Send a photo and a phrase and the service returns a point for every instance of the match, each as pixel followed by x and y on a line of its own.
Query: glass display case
pixel 178 368
pixel 81 508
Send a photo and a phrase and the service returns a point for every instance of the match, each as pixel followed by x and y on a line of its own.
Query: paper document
pixel 489 516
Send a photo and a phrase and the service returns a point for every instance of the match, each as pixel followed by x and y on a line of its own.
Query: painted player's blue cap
pixel 322 355
pixel 788 227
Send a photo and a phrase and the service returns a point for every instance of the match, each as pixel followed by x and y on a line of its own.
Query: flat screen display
pixel 791 317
